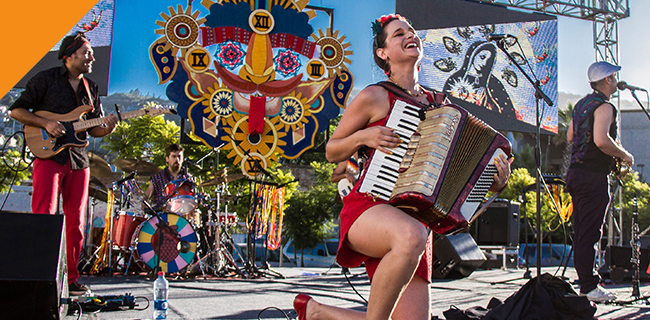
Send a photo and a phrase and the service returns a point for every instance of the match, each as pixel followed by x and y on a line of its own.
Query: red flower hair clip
pixel 378 24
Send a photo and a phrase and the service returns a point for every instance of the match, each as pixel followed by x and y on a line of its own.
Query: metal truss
pixel 581 9
pixel 604 14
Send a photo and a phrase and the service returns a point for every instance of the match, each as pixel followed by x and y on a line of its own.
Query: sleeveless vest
pixel 586 155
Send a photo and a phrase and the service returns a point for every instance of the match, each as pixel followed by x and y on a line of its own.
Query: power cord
pixel 259 315
pixel 13 166
pixel 353 288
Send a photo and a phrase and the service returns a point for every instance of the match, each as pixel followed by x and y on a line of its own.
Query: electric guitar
pixel 345 186
pixel 44 146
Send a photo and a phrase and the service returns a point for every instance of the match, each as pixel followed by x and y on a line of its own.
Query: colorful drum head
pixel 171 259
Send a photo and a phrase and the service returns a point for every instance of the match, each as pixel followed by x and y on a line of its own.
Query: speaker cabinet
pixel 620 268
pixel 499 224
pixel 456 256
pixel 33 273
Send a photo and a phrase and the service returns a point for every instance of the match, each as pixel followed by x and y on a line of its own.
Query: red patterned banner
pixel 223 34
pixel 278 40
pixel 297 44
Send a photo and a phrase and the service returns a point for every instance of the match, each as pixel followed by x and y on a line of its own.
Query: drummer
pixel 174 158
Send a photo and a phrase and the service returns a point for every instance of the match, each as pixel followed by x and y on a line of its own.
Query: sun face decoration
pixel 293 113
pixel 241 143
pixel 219 100
pixel 333 52
pixel 263 67
pixel 181 28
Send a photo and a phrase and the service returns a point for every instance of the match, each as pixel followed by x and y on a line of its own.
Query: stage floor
pixel 233 298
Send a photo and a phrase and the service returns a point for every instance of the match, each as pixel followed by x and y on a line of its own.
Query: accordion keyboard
pixel 382 171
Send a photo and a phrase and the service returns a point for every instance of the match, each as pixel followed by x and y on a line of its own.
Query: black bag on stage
pixel 551 298
pixel 473 313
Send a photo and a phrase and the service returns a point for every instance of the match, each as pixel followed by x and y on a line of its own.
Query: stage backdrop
pixel 475 73
pixel 254 77
pixel 98 26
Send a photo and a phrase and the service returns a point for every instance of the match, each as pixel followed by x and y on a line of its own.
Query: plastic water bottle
pixel 160 289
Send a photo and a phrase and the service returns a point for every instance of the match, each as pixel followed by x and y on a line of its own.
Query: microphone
pixel 622 85
pixel 129 177
pixel 498 37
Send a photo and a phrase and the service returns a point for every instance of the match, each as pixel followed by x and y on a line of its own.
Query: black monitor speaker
pixel 499 224
pixel 456 256
pixel 33 273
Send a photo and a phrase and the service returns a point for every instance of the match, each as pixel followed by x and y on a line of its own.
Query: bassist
pixel 60 90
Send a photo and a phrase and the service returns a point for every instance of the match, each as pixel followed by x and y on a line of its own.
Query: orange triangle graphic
pixel 30 30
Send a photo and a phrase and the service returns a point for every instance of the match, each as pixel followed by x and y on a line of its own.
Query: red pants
pixel 51 179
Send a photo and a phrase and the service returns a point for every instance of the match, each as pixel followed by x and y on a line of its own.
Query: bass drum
pixel 145 241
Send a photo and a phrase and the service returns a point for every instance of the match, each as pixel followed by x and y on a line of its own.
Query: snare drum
pixel 145 241
pixel 124 226
pixel 180 195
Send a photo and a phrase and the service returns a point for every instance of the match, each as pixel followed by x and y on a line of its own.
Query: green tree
pixel 142 137
pixel 525 158
pixel 12 170
pixel 632 186
pixel 551 226
pixel 308 215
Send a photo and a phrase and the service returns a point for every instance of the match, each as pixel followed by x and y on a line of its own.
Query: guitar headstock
pixel 156 110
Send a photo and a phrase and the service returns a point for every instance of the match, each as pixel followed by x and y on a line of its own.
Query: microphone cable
pixel 14 166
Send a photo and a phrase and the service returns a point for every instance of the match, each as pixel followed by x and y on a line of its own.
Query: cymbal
pixel 221 179
pixel 110 178
pixel 98 166
pixel 142 167
pixel 97 190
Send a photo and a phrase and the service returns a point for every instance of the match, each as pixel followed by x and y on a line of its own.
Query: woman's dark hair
pixel 379 42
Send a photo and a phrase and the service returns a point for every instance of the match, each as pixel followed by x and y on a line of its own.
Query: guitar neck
pixel 86 124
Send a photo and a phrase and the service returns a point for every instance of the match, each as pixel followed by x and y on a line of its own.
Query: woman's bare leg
pixel 415 302
pixel 386 232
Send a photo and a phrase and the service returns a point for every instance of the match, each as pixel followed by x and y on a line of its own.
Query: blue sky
pixel 576 50
pixel 134 27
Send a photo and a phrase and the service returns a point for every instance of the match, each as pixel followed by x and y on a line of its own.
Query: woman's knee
pixel 411 239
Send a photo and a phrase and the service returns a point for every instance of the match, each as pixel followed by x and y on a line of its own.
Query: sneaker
pixel 77 289
pixel 600 294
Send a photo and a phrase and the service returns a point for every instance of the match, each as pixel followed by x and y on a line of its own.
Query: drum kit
pixel 186 233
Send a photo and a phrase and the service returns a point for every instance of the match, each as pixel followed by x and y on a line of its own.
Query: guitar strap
pixel 90 97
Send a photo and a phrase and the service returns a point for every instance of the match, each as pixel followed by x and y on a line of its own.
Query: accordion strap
pixel 438 97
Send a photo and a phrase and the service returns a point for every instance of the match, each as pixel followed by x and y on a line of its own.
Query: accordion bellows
pixel 446 166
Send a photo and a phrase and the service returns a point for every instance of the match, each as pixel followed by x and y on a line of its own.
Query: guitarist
pixel 61 90
pixel 592 133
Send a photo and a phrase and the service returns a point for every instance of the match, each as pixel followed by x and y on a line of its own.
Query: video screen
pixel 476 74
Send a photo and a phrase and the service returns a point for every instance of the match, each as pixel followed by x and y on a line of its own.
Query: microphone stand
pixel 539 95
pixel 640 104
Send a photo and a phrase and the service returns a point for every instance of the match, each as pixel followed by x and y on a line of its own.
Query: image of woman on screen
pixel 476 84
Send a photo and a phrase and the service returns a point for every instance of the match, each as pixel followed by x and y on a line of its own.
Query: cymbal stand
pixel 265 269
pixel 218 257
pixel 90 250
pixel 126 193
